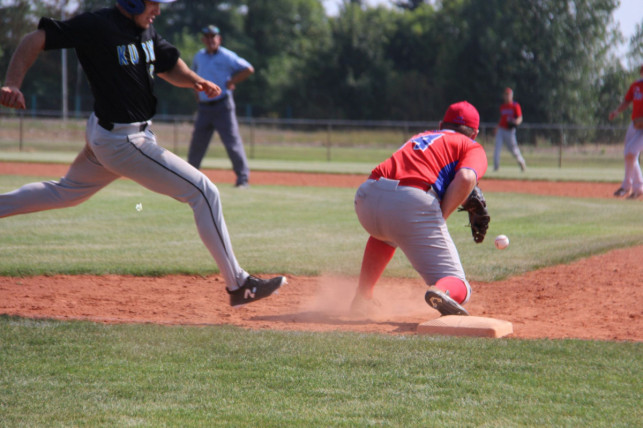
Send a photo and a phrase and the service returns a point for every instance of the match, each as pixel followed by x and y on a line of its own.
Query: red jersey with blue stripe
pixel 635 96
pixel 510 111
pixel 434 157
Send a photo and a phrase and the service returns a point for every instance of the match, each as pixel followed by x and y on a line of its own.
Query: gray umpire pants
pixel 126 151
pixel 508 138
pixel 222 118
pixel 410 219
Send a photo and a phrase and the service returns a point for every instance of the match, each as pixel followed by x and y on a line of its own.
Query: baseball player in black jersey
pixel 121 52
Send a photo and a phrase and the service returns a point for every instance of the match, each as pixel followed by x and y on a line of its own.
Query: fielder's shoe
pixel 363 307
pixel 255 289
pixel 440 301
pixel 635 195
pixel 621 192
pixel 523 166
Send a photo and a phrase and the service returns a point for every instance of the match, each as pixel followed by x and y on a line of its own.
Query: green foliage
pixel 635 51
pixel 83 374
pixel 406 62
pixel 286 35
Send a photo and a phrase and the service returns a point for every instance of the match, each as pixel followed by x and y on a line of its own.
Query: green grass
pixel 297 230
pixel 83 374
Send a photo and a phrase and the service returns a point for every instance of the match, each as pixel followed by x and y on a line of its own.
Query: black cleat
pixel 620 192
pixel 440 301
pixel 255 289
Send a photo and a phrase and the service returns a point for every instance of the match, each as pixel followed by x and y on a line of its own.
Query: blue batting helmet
pixel 136 7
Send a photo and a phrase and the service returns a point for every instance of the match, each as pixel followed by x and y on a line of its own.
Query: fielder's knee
pixel 458 289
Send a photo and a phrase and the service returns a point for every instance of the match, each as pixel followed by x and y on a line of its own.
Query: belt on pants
pixel 408 182
pixel 109 126
pixel 214 102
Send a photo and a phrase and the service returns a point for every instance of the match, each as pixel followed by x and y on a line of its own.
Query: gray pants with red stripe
pixel 411 219
pixel 125 151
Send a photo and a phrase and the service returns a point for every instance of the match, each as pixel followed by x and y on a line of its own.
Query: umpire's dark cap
pixel 210 29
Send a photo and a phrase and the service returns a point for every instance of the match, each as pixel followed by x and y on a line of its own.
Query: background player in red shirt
pixel 510 118
pixel 632 185
pixel 406 201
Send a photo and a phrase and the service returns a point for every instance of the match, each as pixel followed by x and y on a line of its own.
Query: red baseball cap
pixel 462 113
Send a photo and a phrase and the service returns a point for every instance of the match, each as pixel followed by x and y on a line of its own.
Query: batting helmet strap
pixel 136 7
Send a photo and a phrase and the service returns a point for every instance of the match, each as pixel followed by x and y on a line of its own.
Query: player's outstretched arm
pixel 181 75
pixel 459 189
pixel 23 58
pixel 621 108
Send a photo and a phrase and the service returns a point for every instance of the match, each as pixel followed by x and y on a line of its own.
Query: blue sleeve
pixel 237 63
pixel 195 63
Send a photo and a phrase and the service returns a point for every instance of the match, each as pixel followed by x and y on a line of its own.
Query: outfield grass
pixel 578 165
pixel 83 374
pixel 297 230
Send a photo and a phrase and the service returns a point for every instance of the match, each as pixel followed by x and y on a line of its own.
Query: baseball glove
pixel 476 206
pixel 511 124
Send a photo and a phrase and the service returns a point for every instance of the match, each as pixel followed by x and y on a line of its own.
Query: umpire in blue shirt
pixel 226 69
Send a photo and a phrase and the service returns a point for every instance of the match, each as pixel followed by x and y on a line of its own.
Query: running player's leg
pixel 498 149
pixel 138 157
pixel 228 128
pixel 201 136
pixel 85 177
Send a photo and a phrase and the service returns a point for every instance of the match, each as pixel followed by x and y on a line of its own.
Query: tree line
pixel 407 61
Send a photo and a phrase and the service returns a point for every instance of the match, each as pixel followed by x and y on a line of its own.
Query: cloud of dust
pixel 394 298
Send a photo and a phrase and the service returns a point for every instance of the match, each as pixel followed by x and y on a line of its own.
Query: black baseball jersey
pixel 119 58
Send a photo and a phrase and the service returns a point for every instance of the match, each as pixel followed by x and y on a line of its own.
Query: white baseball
pixel 501 242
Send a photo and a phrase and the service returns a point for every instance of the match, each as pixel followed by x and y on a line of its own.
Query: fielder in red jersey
pixel 635 96
pixel 510 118
pixel 632 185
pixel 509 113
pixel 406 201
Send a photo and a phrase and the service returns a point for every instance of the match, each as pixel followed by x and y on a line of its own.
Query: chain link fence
pixel 322 140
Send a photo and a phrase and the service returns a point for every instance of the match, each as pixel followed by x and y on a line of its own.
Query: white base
pixel 456 325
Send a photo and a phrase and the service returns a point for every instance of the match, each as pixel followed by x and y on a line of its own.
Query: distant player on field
pixel 121 52
pixel 406 201
pixel 226 69
pixel 632 185
pixel 510 118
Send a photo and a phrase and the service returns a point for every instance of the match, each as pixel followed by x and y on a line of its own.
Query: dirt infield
pixel 594 298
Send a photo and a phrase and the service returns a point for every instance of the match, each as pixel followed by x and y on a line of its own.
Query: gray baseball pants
pixel 222 118
pixel 411 219
pixel 508 138
pixel 127 152
pixel 633 146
